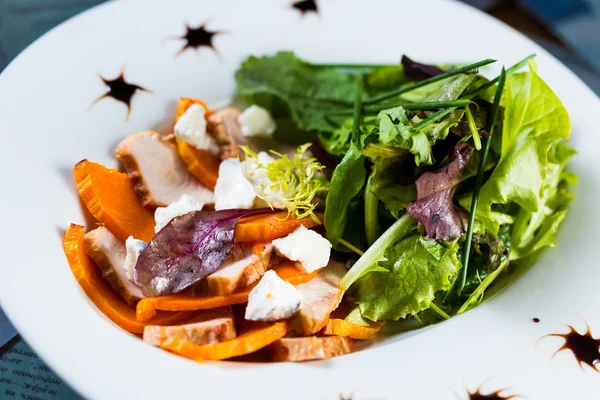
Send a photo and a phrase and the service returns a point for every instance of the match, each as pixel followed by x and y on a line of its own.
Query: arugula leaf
pixel 290 87
pixel 416 268
pixel 346 182
pixel 534 119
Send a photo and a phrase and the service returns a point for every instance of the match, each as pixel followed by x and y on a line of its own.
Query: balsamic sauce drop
pixel 120 90
pixel 584 347
pixel 198 37
pixel 536 320
pixel 497 395
pixel 305 6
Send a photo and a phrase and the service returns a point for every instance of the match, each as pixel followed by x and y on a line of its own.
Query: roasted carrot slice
pixel 268 227
pixel 100 292
pixel 339 327
pixel 146 308
pixel 246 343
pixel 202 164
pixel 109 196
pixel 185 102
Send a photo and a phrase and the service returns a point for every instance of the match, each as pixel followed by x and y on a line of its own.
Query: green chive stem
pixel 511 70
pixel 478 182
pixel 428 105
pixel 418 319
pixel 473 129
pixel 425 82
pixel 439 311
pixel 351 246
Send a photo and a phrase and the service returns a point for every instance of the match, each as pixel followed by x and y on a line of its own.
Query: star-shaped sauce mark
pixel 497 395
pixel 198 37
pixel 120 90
pixel 584 347
pixel 305 6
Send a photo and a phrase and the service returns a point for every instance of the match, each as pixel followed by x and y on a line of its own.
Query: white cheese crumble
pixel 273 299
pixel 310 250
pixel 191 128
pixel 256 121
pixel 186 204
pixel 133 249
pixel 233 189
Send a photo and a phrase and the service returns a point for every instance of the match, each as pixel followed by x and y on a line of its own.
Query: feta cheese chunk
pixel 133 248
pixel 186 204
pixel 233 189
pixel 273 299
pixel 191 128
pixel 256 121
pixel 310 250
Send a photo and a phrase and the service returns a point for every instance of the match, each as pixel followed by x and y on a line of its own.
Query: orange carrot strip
pixel 202 164
pixel 109 196
pixel 146 308
pixel 100 292
pixel 339 327
pixel 185 102
pixel 268 227
pixel 246 343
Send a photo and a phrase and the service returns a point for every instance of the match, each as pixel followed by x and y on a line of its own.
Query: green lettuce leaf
pixel 447 89
pixel 534 119
pixel 416 268
pixel 289 87
pixel 535 230
pixel 347 181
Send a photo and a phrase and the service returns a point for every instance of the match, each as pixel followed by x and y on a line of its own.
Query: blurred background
pixel 569 29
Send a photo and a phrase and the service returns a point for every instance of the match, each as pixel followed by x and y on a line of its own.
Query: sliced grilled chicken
pixel 310 348
pixel 225 128
pixel 109 253
pixel 320 297
pixel 210 327
pixel 156 171
pixel 240 271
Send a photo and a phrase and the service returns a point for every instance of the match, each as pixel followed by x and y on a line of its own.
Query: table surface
pixel 569 29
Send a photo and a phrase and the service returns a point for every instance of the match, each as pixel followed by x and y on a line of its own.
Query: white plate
pixel 46 128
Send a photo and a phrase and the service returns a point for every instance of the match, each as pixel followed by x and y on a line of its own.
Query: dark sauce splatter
pixel 305 6
pixel 120 90
pixel 198 37
pixel 584 347
pixel 497 395
pixel 342 397
pixel 536 320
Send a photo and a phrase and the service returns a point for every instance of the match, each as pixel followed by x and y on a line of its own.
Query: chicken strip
pixel 310 348
pixel 209 327
pixel 320 296
pixel 240 271
pixel 108 252
pixel 156 171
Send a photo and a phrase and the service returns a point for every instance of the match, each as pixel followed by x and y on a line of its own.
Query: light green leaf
pixel 418 268
pixel 534 119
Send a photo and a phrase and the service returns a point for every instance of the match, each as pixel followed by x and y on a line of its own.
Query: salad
pixel 334 200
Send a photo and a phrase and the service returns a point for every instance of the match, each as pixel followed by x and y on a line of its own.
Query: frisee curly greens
pixel 284 182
